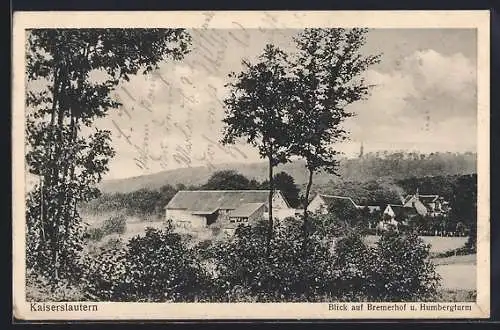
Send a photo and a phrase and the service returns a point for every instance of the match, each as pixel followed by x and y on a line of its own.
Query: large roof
pixel 246 210
pixel 332 200
pixel 402 212
pixel 211 200
pixel 371 208
pixel 428 198
pixel 422 198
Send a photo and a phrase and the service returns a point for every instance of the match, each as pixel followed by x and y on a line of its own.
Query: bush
pixel 39 289
pixel 353 262
pixel 331 263
pixel 116 224
pixel 461 251
pixel 401 269
pixel 293 269
pixel 94 234
pixel 157 267
pixel 298 269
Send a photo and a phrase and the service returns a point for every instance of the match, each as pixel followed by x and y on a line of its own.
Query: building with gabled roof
pixel 322 203
pixel 202 208
pixel 394 215
pixel 426 205
pixel 399 212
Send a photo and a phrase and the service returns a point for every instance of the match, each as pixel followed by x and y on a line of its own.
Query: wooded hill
pixel 378 166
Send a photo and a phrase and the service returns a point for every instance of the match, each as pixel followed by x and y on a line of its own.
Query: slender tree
pixel 60 62
pixel 327 71
pixel 257 110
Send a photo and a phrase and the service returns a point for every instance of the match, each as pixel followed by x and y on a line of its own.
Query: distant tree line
pixel 402 164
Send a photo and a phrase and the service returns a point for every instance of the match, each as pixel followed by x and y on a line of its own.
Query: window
pixel 183 224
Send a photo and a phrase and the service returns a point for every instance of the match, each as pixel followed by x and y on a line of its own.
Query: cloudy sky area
pixel 425 99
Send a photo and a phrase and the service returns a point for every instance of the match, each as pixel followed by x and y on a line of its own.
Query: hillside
pixel 372 166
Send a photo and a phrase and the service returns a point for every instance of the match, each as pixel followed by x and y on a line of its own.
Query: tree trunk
pixel 57 166
pixel 42 222
pixel 306 200
pixel 270 202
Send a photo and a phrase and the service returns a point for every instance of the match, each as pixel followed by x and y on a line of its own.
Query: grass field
pixel 469 259
pixel 135 228
pixel 438 244
pixel 458 276
pixel 457 295
pixel 458 273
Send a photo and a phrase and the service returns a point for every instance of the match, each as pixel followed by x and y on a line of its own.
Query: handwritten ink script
pixel 176 121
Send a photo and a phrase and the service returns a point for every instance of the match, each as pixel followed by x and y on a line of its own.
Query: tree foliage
pixel 402 270
pixel 228 180
pixel 257 109
pixel 243 268
pixel 156 267
pixel 61 101
pixel 327 73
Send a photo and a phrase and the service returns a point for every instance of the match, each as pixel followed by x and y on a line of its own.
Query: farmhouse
pixel 394 215
pixel 202 208
pixel 427 205
pixel 399 213
pixel 324 203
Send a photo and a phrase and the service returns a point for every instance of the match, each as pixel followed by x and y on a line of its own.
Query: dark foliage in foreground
pixel 330 265
pixel 156 267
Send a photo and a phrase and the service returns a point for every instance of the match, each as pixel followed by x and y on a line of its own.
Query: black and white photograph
pixel 254 158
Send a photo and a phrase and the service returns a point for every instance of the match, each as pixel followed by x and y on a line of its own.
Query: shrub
pixel 157 267
pixel 112 243
pixel 461 251
pixel 401 269
pixel 94 234
pixel 352 264
pixel 293 269
pixel 115 224
pixel 39 288
pixel 298 269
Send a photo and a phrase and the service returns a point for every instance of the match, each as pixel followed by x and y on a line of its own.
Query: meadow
pixel 438 244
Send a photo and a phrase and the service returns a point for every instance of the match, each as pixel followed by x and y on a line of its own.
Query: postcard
pixel 251 165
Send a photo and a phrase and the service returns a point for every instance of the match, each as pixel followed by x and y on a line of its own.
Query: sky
pixel 424 99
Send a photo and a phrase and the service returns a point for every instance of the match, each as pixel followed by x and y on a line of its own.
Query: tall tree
pixel 69 163
pixel 327 71
pixel 257 110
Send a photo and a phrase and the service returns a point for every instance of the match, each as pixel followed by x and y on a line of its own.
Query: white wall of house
pixel 281 210
pixel 388 211
pixel 279 202
pixel 317 204
pixel 183 218
pixel 283 213
pixel 386 224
